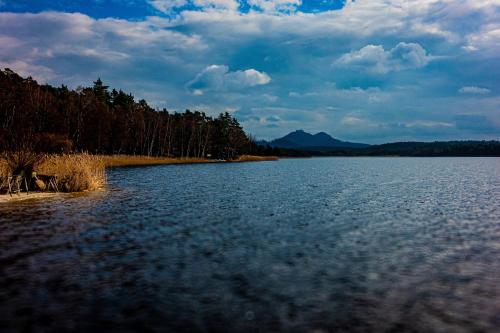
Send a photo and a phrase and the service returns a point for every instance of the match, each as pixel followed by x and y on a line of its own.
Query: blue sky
pixel 366 70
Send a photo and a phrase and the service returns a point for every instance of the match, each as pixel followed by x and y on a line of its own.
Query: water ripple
pixel 333 244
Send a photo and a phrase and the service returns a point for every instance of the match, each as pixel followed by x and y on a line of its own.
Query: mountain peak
pixel 300 139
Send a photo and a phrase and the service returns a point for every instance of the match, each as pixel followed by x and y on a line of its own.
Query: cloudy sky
pixel 366 70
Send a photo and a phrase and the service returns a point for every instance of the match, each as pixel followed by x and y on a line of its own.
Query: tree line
pixel 410 149
pixel 102 121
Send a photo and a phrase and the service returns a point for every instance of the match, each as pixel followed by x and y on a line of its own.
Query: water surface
pixel 327 244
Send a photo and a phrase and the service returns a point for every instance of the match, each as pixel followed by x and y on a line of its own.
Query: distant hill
pixel 416 149
pixel 436 148
pixel 306 141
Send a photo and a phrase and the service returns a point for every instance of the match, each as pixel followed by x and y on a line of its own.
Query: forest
pixel 100 120
pixel 408 149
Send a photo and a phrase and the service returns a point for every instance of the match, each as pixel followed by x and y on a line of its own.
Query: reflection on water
pixel 334 244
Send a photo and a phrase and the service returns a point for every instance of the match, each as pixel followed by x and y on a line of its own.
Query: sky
pixel 369 71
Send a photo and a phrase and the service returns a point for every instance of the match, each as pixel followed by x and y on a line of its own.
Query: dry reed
pixel 131 160
pixel 84 172
pixel 16 162
pixel 252 158
pixel 75 172
pixel 20 162
pixel 4 171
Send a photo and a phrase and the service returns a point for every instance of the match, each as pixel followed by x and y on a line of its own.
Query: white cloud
pixel 217 4
pixel 154 58
pixel 275 5
pixel 353 121
pixel 487 40
pixel 40 73
pixel 166 6
pixel 428 123
pixel 219 78
pixel 39 39
pixel 474 90
pixel 373 58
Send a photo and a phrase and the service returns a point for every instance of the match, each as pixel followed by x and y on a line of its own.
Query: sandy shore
pixel 32 196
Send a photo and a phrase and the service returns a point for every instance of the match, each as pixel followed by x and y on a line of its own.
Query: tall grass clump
pixel 4 172
pixel 22 161
pixel 17 163
pixel 75 172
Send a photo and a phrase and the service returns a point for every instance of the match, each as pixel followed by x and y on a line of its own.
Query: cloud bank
pixel 398 66
pixel 375 59
pixel 219 78
pixel 474 90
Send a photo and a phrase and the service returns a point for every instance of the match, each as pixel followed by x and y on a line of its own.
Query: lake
pixel 298 245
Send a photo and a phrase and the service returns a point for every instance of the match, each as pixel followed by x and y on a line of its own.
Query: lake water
pixel 298 245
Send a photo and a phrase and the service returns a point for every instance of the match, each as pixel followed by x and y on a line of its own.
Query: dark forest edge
pixel 404 149
pixel 75 134
pixel 98 120
pixel 301 143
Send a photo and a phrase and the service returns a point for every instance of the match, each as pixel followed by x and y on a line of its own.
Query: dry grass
pixel 17 163
pixel 4 170
pixel 76 172
pixel 252 158
pixel 130 160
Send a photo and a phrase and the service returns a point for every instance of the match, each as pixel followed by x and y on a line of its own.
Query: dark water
pixel 334 244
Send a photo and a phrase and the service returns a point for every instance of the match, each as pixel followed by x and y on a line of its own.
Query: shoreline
pixel 119 161
pixel 6 198
pixel 116 161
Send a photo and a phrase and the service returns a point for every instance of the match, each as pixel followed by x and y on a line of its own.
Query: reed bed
pixel 85 172
pixel 252 158
pixel 20 162
pixel 132 160
pixel 75 172
pixel 4 171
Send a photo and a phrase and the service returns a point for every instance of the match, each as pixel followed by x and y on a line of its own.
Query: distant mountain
pixel 303 140
pixel 414 149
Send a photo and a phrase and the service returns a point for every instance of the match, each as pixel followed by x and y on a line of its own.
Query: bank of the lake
pixel 25 196
pixel 112 161
pixel 78 173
